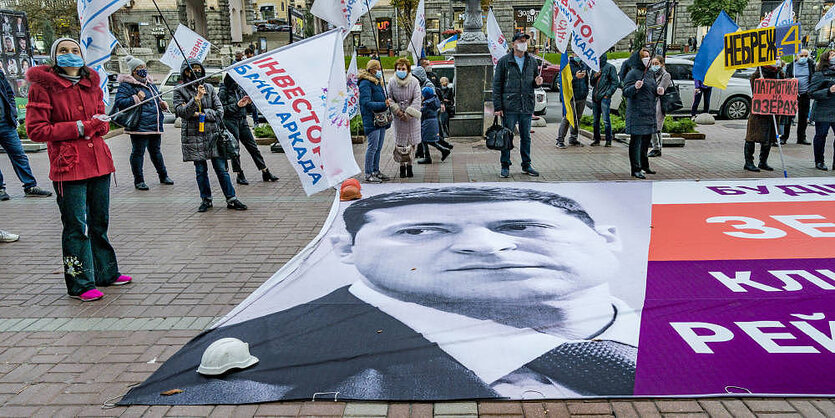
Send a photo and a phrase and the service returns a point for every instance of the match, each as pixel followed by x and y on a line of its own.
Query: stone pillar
pixel 473 75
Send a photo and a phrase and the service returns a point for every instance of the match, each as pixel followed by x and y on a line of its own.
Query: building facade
pixel 519 15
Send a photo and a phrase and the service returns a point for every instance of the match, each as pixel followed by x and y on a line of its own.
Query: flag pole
pixel 174 38
pixel 777 133
pixel 408 28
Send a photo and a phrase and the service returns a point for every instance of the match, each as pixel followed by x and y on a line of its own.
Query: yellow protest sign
pixel 750 48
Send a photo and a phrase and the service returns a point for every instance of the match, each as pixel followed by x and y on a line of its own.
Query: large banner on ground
pixel 528 291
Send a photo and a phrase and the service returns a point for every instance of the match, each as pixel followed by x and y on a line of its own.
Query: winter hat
pixel 53 52
pixel 133 62
pixel 428 92
pixel 419 73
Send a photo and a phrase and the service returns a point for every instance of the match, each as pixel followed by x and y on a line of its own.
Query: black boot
pixel 608 143
pixel 241 179
pixel 267 176
pixel 402 171
pixel 765 149
pixel 409 172
pixel 419 152
pixel 423 150
pixel 164 179
pixel 205 205
pixel 749 157
pixel 595 143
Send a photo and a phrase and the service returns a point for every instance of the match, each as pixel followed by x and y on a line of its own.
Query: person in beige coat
pixel 404 92
pixel 664 81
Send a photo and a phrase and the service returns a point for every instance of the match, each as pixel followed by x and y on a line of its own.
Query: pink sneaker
pixel 89 296
pixel 122 280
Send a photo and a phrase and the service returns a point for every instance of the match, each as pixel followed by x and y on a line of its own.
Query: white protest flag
pixel 341 13
pixel 830 14
pixel 496 41
pixel 561 22
pixel 598 25
pixel 194 46
pixel 302 95
pixel 781 16
pixel 418 33
pixel 352 81
pixel 97 42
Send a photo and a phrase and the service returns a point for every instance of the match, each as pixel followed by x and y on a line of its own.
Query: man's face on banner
pixel 517 251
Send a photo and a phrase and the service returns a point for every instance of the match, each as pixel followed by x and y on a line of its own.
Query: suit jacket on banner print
pixel 740 285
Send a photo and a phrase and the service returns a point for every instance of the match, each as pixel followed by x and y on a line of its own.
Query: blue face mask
pixel 655 68
pixel 802 60
pixel 379 74
pixel 142 73
pixel 69 60
pixel 401 74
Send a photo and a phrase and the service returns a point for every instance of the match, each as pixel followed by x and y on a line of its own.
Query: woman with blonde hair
pixel 373 100
pixel 405 100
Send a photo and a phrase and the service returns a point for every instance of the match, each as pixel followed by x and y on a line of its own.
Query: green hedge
pixel 264 130
pixel 388 62
pixel 671 125
pixel 356 125
pixel 21 131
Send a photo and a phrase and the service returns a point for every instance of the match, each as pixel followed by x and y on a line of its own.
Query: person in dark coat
pixel 641 92
pixel 429 125
pixel 580 86
pixel 65 111
pixel 605 83
pixel 192 103
pixel 514 80
pixel 761 127
pixel 134 88
pixel 822 89
pixel 10 142
pixel 447 96
pixel 235 104
pixel 422 151
pixel 373 99
pixel 803 68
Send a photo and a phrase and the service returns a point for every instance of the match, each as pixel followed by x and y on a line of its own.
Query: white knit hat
pixel 133 62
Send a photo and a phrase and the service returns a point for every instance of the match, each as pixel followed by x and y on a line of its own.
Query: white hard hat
pixel 225 354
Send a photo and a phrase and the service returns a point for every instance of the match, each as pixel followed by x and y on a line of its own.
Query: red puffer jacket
pixel 55 104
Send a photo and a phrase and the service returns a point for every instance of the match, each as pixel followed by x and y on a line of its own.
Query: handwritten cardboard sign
pixel 774 97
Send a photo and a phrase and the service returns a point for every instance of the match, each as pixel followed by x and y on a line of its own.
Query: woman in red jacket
pixel 63 100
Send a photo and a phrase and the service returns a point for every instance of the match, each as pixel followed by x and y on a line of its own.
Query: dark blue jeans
pixel 202 170
pixel 602 108
pixel 10 142
pixel 137 156
pixel 698 94
pixel 523 120
pixel 89 259
pixel 373 150
pixel 819 143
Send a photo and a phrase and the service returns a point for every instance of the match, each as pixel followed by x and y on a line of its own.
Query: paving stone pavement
pixel 61 357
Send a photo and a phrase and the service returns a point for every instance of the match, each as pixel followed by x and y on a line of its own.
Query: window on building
pixel 157 20
pixel 133 35
pixel 267 12
pixel 161 44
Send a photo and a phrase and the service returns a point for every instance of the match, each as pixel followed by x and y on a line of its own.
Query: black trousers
pixel 244 136
pixel 803 104
pixel 638 147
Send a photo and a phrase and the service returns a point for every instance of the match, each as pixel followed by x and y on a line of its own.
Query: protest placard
pixel 774 97
pixel 750 48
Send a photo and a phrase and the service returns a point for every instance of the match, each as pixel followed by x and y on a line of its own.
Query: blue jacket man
pixel 10 141
pixel 514 80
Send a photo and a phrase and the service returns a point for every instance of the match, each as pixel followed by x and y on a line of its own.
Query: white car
pixel 541 102
pixel 731 103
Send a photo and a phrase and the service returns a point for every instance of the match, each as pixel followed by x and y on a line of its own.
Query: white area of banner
pixel 194 46
pixel 808 189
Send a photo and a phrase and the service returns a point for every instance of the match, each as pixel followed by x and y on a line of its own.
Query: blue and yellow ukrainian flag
pixel 709 66
pixel 448 44
pixel 567 91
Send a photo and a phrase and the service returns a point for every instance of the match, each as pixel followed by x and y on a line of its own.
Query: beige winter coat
pixel 405 95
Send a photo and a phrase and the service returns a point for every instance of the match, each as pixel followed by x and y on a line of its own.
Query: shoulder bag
pixel 128 120
pixel 498 137
pixel 227 145
pixel 671 100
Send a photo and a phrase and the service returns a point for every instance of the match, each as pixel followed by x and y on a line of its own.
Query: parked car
pixel 284 28
pixel 550 74
pixel 540 106
pixel 731 103
pixel 267 27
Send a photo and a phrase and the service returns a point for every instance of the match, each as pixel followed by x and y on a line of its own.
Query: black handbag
pixel 499 137
pixel 128 119
pixel 671 100
pixel 227 145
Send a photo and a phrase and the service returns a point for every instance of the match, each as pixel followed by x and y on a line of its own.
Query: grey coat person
pixel 405 95
pixel 664 80
pixel 640 103
pixel 196 145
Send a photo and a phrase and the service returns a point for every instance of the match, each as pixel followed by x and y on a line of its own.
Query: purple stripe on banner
pixel 763 325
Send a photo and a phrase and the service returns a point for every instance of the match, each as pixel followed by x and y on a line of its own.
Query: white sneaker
pixel 372 179
pixel 8 236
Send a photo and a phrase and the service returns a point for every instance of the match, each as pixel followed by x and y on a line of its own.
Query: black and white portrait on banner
pixel 438 292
